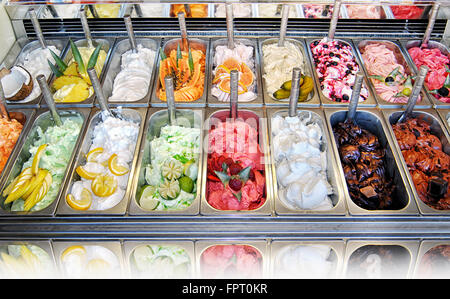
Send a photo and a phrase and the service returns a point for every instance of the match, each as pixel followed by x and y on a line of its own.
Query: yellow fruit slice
pixel 97 266
pixel 36 182
pixel 10 187
pixel 83 203
pixel 115 168
pixel 38 193
pixel 104 185
pixel 93 154
pixel 86 174
pixel 76 250
pixel 30 258
pixel 21 187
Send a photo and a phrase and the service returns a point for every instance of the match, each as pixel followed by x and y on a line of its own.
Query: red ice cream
pixel 406 11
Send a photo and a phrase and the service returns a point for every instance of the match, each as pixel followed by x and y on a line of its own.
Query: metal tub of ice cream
pixel 432 260
pixel 437 129
pixel 119 87
pixel 160 259
pixel 380 189
pixel 250 91
pixel 304 197
pixel 320 11
pixel 374 259
pixel 104 165
pixel 236 171
pixel 168 174
pixel 150 10
pixel 445 116
pixel 20 55
pixel 60 11
pixel 396 93
pixel 56 160
pixel 91 259
pixel 112 10
pixel 274 10
pixel 106 45
pixel 342 92
pixel 445 51
pixel 312 100
pixel 222 259
pixel 240 10
pixel 377 12
pixel 25 117
pixel 311 259
pixel 186 95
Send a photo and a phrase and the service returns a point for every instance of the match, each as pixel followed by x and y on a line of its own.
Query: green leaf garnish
pixel 191 61
pixel 180 158
pixel 377 77
pixel 54 69
pixel 238 195
pixel 224 167
pixel 162 54
pixel 77 56
pixel 447 82
pixel 244 173
pixel 94 57
pixel 61 64
pixel 223 177
pixel 179 55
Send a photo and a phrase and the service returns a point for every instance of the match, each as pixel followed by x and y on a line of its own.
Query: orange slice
pixel 246 77
pixel 232 64
pixel 115 168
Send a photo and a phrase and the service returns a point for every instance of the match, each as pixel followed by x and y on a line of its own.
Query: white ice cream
pixel 301 163
pixel 279 62
pixel 132 82
pixel 274 10
pixel 239 10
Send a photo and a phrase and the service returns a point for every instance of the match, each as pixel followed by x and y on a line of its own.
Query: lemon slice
pixel 96 266
pixel 86 174
pixel 75 250
pixel 37 159
pixel 93 154
pixel 104 185
pixel 115 168
pixel 81 204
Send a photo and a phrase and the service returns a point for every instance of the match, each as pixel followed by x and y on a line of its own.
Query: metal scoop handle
pixel 334 19
pixel 170 98
pixel 98 90
pixel 431 22
pixel 49 98
pixel 295 91
pixel 37 28
pixel 423 70
pixel 130 31
pixel 354 100
pixel 234 93
pixel 230 25
pixel 85 25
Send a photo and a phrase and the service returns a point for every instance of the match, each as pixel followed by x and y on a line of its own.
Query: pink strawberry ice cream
pixel 386 73
pixel 315 11
pixel 235 171
pixel 336 68
pixel 437 80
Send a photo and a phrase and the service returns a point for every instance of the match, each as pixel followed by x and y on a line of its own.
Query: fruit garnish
pixel 94 57
pixel 30 258
pixel 10 187
pixel 96 266
pixel 169 189
pixel 86 174
pixel 186 184
pixel 21 186
pixel 115 167
pixel 54 69
pixel 61 64
pixel 171 170
pixel 77 57
pixel 37 159
pixel 104 185
pixel 38 193
pixel 81 204
pixel 75 250
pixel 235 168
pixel 93 154
pixel 147 199
pixel 235 184
pixel 36 182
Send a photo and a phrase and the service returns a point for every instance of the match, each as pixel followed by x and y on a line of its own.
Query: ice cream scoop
pixel 37 28
pixel 49 99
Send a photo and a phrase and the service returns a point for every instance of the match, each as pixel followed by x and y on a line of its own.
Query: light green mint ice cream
pixel 61 142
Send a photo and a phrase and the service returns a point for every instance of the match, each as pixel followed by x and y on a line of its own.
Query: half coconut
pixel 17 83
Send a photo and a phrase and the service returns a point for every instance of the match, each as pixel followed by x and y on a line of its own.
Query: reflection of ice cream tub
pixel 369 102
pixel 213 101
pixel 37 256
pixel 137 116
pixel 213 259
pixel 16 56
pixel 445 117
pixel 371 120
pixel 63 11
pixel 254 117
pixel 244 10
pixel 106 46
pixel 120 14
pixel 395 47
pixel 89 259
pixel 375 259
pixel 431 45
pixel 159 118
pixel 43 121
pixel 114 67
pixel 295 11
pixel 168 46
pixel 342 13
pixel 337 198
pixel 381 8
pixel 148 10
pixel 433 260
pixel 437 128
pixel 25 117
pixel 313 98
pixel 160 259
pixel 294 259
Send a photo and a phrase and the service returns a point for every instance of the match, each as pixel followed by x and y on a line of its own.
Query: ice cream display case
pixel 265 187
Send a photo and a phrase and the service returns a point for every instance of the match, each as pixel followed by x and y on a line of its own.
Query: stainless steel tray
pixel 169 45
pixel 247 114
pixel 43 120
pixel 212 100
pixel 337 198
pixel 445 117
pixel 260 246
pixel 371 120
pixel 420 269
pixel 187 246
pixel 137 115
pixel 92 250
pixel 114 67
pixel 437 128
pixel 107 45
pixel 269 100
pixel 16 56
pixel 308 267
pixel 157 118
pixel 369 102
pixel 28 116
pixel 431 44
pixel 396 48
pixel 401 253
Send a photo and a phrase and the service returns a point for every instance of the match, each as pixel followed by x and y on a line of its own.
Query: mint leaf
pixel 180 158
pixel 244 173
pixel 238 195
pixel 223 177
pixel 224 167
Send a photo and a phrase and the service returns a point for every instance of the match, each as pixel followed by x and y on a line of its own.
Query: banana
pixel 306 86
pixel 281 94
pixel 305 89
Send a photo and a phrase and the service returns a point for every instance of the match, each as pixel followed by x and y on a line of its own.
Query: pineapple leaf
pixel 54 69
pixel 162 54
pixel 191 61
pixel 77 56
pixel 179 55
pixel 94 57
pixel 61 64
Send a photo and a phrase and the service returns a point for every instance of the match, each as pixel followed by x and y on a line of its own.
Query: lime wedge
pixel 147 201
pixel 186 184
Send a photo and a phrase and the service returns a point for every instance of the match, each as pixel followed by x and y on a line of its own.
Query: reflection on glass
pixel 231 261
pixel 104 10
pixel 378 261
pixel 435 263
pixel 160 262
pixel 305 261
pixel 196 10
pixel 25 261
pixel 149 10
pixel 91 261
